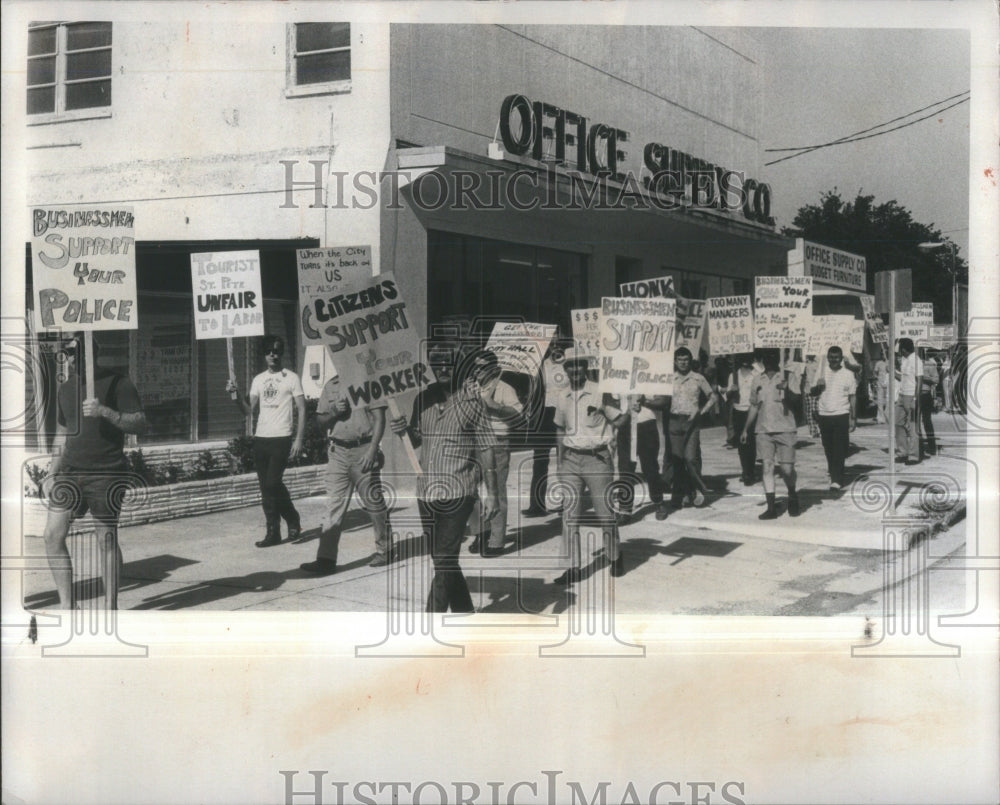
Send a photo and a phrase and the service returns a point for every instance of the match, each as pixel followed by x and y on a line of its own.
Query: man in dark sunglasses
pixel 274 392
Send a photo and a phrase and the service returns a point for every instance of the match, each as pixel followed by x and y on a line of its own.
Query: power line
pixel 853 138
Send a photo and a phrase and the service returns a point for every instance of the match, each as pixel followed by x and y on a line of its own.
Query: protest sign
pixel 83 268
pixel 916 323
pixel 587 331
pixel 648 289
pixel 940 336
pixel 520 346
pixel 829 331
pixel 729 324
pixel 636 345
pixel 322 274
pixel 782 310
pixel 874 321
pixel 227 295
pixel 690 325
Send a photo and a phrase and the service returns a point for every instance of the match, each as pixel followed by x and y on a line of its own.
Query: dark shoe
pixel 534 511
pixel 380 560
pixel 618 566
pixel 477 541
pixel 269 541
pixel 568 577
pixel 662 510
pixel 912 463
pixel 770 514
pixel 321 567
pixel 489 552
pixel 294 532
pixel 793 505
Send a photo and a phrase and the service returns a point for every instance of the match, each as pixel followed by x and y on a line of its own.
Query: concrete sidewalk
pixel 210 562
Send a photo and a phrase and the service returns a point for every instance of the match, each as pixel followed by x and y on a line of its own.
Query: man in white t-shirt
pixel 908 374
pixel 836 391
pixel 276 392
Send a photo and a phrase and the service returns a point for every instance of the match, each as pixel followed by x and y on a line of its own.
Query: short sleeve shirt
pixel 93 442
pixel 452 431
pixel 274 392
pixel 774 415
pixel 741 381
pixel 840 385
pixel 556 381
pixel 686 399
pixel 357 424
pixel 585 428
pixel 503 394
pixel 910 370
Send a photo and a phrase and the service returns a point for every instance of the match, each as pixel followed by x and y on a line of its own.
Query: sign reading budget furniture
pixel 520 346
pixel 730 324
pixel 364 322
pixel 227 297
pixel 636 345
pixel 83 268
pixel 782 311
pixel 828 266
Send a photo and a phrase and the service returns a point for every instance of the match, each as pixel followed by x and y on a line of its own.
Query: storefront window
pixel 164 366
pixel 470 278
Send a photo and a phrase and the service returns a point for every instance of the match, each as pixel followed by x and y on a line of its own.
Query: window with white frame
pixel 69 70
pixel 319 58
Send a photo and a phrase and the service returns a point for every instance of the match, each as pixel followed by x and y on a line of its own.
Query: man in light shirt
pixel 836 392
pixel 585 421
pixel 908 374
pixel 739 391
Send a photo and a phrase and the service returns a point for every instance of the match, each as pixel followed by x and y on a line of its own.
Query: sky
pixel 820 84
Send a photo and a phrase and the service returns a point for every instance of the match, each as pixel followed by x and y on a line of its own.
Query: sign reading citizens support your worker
pixel 730 324
pixel 227 295
pixel 83 268
pixel 520 346
pixel 636 345
pixel 364 322
pixel 782 311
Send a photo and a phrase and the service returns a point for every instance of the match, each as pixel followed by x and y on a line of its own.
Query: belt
pixel 351 442
pixel 681 416
pixel 592 451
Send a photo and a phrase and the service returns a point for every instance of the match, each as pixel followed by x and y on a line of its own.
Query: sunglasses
pixel 272 351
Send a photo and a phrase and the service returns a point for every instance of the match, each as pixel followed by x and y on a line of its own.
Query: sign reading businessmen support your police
pixel 227 296
pixel 362 320
pixel 635 335
pixel 83 268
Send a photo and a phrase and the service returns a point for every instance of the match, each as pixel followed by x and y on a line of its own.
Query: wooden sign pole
pixel 407 444
pixel 89 361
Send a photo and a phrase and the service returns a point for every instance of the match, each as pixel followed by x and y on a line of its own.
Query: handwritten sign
pixel 782 310
pixel 322 274
pixel 916 323
pixel 648 289
pixel 874 321
pixel 227 296
pixel 520 346
pixel 83 268
pixel 587 331
pixel 365 323
pixel 690 326
pixel 829 331
pixel 730 324
pixel 636 345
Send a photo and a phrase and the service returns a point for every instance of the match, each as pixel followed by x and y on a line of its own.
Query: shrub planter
pixel 155 503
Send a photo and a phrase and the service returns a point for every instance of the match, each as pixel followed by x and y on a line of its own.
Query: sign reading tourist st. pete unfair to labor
pixel 228 302
pixel 730 324
pixel 520 346
pixel 782 311
pixel 636 345
pixel 364 322
pixel 83 268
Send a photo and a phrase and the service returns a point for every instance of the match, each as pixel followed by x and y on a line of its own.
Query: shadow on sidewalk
pixel 519 594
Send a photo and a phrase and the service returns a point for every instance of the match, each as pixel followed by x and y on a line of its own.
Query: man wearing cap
pixel 686 409
pixel 585 423
pixel 353 463
pixel 89 472
pixel 772 414
pixel 450 426
pixel 273 392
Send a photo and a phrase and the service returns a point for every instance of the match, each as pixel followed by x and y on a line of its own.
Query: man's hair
pixel 906 344
pixel 682 352
pixel 485 356
pixel 769 354
pixel 834 350
pixel 269 341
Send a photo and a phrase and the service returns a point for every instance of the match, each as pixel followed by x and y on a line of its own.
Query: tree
pixel 888 237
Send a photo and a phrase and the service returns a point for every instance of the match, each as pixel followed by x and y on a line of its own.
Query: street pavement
pixel 716 560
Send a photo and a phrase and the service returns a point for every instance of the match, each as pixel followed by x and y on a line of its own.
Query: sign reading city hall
pixel 533 128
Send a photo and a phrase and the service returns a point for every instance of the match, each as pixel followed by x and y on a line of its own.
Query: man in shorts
pixel 88 471
pixel 772 413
